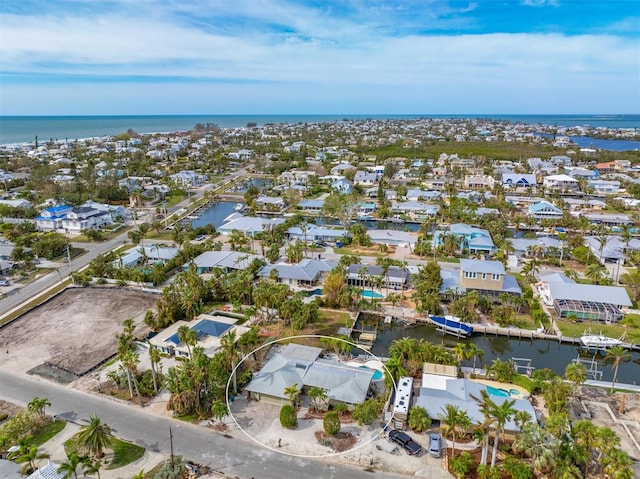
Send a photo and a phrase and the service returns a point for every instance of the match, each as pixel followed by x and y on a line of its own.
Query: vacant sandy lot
pixel 75 330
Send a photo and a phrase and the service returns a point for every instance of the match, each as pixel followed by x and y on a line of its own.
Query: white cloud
pixel 541 3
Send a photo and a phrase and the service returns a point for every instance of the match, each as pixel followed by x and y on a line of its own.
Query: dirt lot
pixel 76 330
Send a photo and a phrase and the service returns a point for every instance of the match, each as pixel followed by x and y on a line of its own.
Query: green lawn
pixel 48 431
pixel 121 452
pixel 576 330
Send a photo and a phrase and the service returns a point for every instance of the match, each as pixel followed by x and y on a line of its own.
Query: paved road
pixel 237 458
pixel 23 294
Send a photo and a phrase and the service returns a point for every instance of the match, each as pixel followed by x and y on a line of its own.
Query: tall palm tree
pixel 188 336
pixel 486 405
pixel 616 355
pixel 318 396
pixel 94 437
pixel 576 373
pixel 595 272
pixel 451 421
pixel 501 413
pixel 92 467
pixel 475 352
pixel 228 345
pixel 538 444
pixel 155 358
pixel 70 467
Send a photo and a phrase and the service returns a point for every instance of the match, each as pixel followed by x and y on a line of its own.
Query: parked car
pixel 4 282
pixel 435 444
pixel 200 238
pixel 410 446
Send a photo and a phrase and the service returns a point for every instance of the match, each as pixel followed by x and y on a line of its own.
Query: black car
pixel 410 446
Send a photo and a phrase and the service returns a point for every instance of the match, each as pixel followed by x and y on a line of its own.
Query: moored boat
pixel 239 207
pixel 452 325
pixel 598 341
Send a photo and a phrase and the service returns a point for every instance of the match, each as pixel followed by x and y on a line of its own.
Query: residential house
pixel 614 249
pixel 147 254
pixel 188 179
pixel 309 273
pixel 475 240
pixel 16 203
pixel 518 180
pixel 300 365
pixel 226 261
pixel 249 225
pixel 487 277
pixel 50 219
pixel 609 219
pixel 585 302
pixel 270 204
pixel 311 206
pixel 478 182
pixel 342 186
pixel 82 218
pixel 365 178
pixel 544 210
pixel 313 233
pixel 606 187
pixel 364 276
pixel 561 182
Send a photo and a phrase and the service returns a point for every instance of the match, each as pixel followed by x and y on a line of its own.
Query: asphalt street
pixel 232 455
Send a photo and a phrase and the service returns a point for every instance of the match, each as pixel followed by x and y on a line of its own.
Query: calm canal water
pixel 543 353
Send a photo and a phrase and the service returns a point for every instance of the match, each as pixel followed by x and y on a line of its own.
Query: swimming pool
pixel 502 392
pixel 372 294
pixel 377 374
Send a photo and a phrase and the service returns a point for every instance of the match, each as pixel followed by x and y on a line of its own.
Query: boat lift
pixel 591 365
pixel 523 364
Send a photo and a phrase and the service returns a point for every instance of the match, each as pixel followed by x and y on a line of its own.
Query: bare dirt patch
pixel 74 331
pixel 343 441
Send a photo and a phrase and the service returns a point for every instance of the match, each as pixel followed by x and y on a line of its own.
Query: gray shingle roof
pixel 481 266
pixel 589 292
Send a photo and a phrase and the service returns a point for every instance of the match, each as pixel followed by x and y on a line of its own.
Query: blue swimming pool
pixel 376 375
pixel 372 294
pixel 498 392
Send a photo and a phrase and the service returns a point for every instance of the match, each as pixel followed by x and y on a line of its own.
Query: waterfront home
pixel 606 187
pixel 403 239
pixel 535 247
pixel 226 261
pixel 364 276
pixel 475 240
pixel 270 204
pixel 487 277
pixel 249 225
pixel 561 182
pixel 609 219
pixel 296 364
pixel 584 302
pixel 311 206
pixel 308 273
pixel 544 210
pixel 414 209
pixel 313 233
pixel 437 391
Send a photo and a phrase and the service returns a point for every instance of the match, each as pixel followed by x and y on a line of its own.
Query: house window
pixel 484 275
pixel 470 275
pixel 495 277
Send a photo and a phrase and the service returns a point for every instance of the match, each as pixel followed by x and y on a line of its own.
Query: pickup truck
pixel 410 446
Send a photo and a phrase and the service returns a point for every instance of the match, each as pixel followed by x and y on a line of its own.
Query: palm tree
pixel 317 395
pixel 293 392
pixel 475 353
pixel 219 410
pixel 419 420
pixel 521 418
pixel 70 466
pixel 188 336
pixel 155 358
pixel 538 444
pixel 576 373
pixel 595 272
pixel 92 467
pixel 28 456
pixel 501 414
pixel 94 437
pixel 616 355
pixel 39 405
pixel 460 352
pixel 451 420
pixel 228 345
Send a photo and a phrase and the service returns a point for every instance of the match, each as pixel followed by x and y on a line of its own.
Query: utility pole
pixel 68 247
pixel 171 444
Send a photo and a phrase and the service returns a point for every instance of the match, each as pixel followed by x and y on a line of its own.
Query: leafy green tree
pixel 219 410
pixel 367 411
pixel 462 464
pixel 331 423
pixel 288 417
pixel 39 405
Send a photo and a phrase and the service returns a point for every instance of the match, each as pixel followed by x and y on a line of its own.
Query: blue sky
pixel 319 56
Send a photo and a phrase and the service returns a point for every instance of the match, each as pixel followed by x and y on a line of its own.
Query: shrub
pixel 288 417
pixel 525 382
pixel 367 412
pixel 331 423
pixel 4 416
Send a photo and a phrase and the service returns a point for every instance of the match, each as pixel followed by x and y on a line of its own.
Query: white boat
pixel 452 325
pixel 597 341
pixel 239 207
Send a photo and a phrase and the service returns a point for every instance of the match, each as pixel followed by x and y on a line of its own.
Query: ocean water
pixel 23 129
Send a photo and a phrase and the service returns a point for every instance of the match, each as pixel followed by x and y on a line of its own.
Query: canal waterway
pixel 543 353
